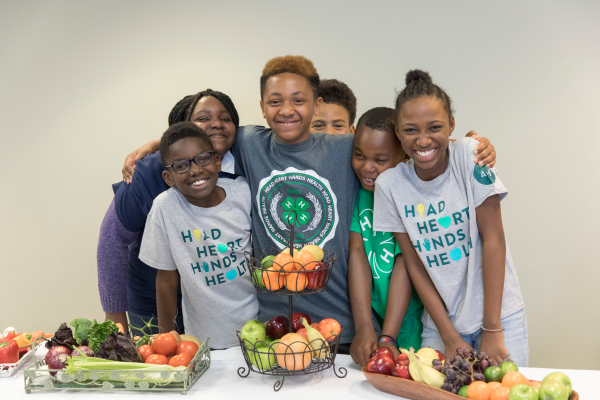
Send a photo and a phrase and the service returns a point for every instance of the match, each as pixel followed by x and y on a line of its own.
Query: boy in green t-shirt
pixel 384 286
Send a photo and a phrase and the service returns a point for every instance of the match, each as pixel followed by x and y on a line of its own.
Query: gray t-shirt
pixel 440 218
pixel 206 246
pixel 314 178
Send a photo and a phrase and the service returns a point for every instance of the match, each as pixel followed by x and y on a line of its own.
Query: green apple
pixel 493 374
pixel 562 378
pixel 537 392
pixel 267 262
pixel 522 392
pixel 253 331
pixel 509 366
pixel 551 389
pixel 463 391
pixel 257 278
pixel 263 358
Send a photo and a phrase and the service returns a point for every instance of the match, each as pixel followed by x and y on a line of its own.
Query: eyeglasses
pixel 183 166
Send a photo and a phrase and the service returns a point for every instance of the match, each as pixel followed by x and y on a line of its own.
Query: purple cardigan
pixel 113 251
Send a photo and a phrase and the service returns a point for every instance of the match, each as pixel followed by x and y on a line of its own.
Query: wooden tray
pixel 415 390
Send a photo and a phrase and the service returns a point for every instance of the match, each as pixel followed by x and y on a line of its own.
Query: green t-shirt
pixel 381 248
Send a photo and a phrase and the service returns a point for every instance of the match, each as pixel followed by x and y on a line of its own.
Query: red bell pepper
pixel 9 351
pixel 11 335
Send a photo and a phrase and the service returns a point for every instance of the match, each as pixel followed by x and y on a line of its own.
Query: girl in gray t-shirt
pixel 445 212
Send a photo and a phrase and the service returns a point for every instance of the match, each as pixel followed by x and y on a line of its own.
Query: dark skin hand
pixel 489 221
pixel 167 283
pixel 429 296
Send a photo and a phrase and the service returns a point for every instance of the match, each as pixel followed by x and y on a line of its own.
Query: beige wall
pixel 84 83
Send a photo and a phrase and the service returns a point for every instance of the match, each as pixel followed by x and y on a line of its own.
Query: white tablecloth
pixel 221 381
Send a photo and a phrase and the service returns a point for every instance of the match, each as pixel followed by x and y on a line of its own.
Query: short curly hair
pixel 298 65
pixel 380 119
pixel 177 132
pixel 333 91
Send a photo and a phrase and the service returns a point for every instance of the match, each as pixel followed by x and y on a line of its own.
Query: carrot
pixel 49 335
pixel 36 334
pixel 120 327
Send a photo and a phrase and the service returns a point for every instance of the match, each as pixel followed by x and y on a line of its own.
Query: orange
pixel 535 384
pixel 512 378
pixel 273 278
pixel 479 391
pixel 296 281
pixel 293 352
pixel 306 259
pixel 500 393
pixel 494 385
pixel 285 261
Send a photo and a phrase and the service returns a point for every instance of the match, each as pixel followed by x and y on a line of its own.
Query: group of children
pixel 422 259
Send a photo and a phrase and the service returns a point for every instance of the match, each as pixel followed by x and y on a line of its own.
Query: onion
pixel 55 351
pixel 85 350
pixel 57 361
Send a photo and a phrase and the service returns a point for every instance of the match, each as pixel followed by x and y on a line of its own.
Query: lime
pixel 267 262
pixel 509 366
pixel 493 374
pixel 257 278
pixel 463 391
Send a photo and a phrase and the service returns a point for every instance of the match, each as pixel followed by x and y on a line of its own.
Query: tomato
pixel 180 360
pixel 156 359
pixel 478 391
pixel 145 351
pixel 512 378
pixel 500 393
pixel 165 344
pixel 187 347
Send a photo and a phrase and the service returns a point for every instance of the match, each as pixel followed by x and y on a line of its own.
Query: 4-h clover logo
pixel 301 217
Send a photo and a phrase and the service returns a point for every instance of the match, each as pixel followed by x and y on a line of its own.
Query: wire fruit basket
pixel 290 278
pixel 39 378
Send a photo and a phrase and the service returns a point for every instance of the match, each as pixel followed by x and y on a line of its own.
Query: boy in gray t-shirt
pixel 197 233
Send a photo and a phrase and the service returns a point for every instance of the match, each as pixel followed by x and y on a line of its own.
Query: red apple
pixel 316 279
pixel 277 327
pixel 382 351
pixel 302 331
pixel 440 355
pixel 401 367
pixel 402 359
pixel 330 328
pixel 381 365
pixel 296 324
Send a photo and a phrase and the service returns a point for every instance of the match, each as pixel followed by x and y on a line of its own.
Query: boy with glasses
pixel 196 233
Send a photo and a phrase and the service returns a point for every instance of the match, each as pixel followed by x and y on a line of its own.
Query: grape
pixel 454 390
pixel 479 377
pixel 438 367
pixel 451 373
pixel 465 365
pixel 444 369
pixel 474 353
pixel 484 364
pixel 436 362
pixel 447 387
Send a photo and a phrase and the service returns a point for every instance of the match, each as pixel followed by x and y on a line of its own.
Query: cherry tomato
pixel 180 360
pixel 157 359
pixel 165 344
pixel 187 347
pixel 145 351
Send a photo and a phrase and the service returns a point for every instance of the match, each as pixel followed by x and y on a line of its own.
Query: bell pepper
pixel 9 351
pixel 11 335
pixel 23 339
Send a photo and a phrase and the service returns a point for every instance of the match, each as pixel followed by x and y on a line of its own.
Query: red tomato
pixel 187 347
pixel 145 351
pixel 157 359
pixel 180 360
pixel 165 344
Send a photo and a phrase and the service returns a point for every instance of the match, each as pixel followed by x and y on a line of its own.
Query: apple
pixel 267 262
pixel 381 365
pixel 263 358
pixel 562 378
pixel 551 389
pixel 427 352
pixel 296 324
pixel 401 367
pixel 441 356
pixel 316 251
pixel 316 278
pixel 509 366
pixel 257 278
pixel 330 328
pixel 402 359
pixel 382 351
pixel 522 392
pixel 252 332
pixel 302 331
pixel 277 327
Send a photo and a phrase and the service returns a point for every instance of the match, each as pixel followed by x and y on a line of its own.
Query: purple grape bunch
pixel 464 368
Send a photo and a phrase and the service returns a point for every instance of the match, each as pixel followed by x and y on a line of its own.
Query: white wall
pixel 84 83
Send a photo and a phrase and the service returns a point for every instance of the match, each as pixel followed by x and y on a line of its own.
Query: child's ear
pixel 452 125
pixel 318 105
pixel 262 108
pixel 168 179
pixel 352 130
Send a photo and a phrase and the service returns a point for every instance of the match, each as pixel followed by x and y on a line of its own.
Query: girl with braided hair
pixel 127 285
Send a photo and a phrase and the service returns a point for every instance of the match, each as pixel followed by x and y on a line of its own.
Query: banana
pixel 316 341
pixel 425 360
pixel 429 375
pixel 413 369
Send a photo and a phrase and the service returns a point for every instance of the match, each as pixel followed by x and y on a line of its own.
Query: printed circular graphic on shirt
pixel 484 175
pixel 303 198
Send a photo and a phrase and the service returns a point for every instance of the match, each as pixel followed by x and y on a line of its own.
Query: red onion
pixel 85 350
pixel 57 361
pixel 55 351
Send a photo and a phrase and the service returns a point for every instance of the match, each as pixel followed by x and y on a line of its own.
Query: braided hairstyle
pixel 185 107
pixel 419 84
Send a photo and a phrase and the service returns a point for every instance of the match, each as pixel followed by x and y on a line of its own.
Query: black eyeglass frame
pixel 189 161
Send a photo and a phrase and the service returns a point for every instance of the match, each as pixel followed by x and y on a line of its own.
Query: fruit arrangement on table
pixel 426 374
pixel 91 355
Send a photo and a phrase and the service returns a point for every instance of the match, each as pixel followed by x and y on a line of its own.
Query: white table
pixel 221 381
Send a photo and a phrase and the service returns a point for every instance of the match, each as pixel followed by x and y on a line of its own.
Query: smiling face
pixel 374 152
pixel 423 128
pixel 198 185
pixel 214 119
pixel 288 105
pixel 333 119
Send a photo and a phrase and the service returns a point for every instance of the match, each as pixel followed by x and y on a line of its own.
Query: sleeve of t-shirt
pixel 355 226
pixel 134 201
pixel 155 250
pixel 484 181
pixel 385 214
